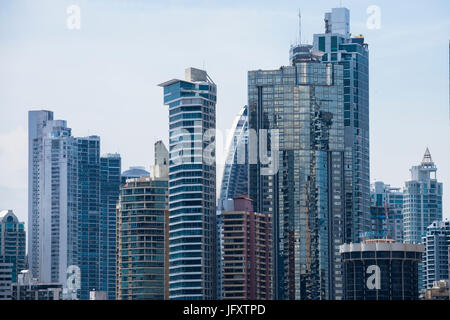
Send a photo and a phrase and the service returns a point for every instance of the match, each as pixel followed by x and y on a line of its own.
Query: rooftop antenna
pixel 299 26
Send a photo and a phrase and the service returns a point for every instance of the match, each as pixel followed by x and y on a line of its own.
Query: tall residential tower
pixel 192 185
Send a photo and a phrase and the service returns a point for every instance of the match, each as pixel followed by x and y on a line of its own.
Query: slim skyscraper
pixel 353 54
pixel 235 173
pixel 53 198
pixel 12 242
pixel 296 128
pixel 192 185
pixel 422 200
pixel 422 203
pixel 110 175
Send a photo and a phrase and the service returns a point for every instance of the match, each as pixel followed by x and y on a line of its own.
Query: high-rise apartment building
pixel 110 176
pixel 192 185
pixel 12 242
pixel 142 236
pixel 340 48
pixel 296 150
pixel 246 270
pixel 53 198
pixel 386 206
pixel 422 200
pixel 68 225
pixel 435 259
pixel 422 203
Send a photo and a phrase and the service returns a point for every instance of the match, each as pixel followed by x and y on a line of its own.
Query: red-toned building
pixel 246 249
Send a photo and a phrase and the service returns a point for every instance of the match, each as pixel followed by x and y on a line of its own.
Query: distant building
pixel 12 242
pixel 98 295
pixel 422 204
pixel 6 270
pixel 381 270
pixel 235 173
pixel 28 288
pixel 142 238
pixel 385 212
pixel 133 172
pixel 246 252
pixel 438 291
pixel 435 261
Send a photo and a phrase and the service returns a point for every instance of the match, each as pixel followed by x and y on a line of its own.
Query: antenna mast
pixel 299 26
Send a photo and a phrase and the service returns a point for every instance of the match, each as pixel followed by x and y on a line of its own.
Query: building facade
pixel 296 128
pixel 235 174
pixel 141 247
pixel 353 54
pixel 435 259
pixel 192 185
pixel 422 203
pixel 246 251
pixel 381 270
pixel 68 225
pixel 386 212
pixel 12 242
pixel 28 288
pixel 53 197
pixel 6 270
pixel 110 178
pixel 142 234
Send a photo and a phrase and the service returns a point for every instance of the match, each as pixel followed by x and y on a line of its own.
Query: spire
pixel 299 26
pixel 427 160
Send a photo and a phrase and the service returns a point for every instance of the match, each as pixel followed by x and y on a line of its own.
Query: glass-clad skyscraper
pixel 353 54
pixel 235 173
pixel 296 151
pixel 110 175
pixel 192 185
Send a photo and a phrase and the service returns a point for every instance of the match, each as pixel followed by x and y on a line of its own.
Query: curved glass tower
pixel 235 174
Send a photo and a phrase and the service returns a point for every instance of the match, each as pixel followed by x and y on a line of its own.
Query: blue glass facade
pixel 110 176
pixel 192 186
pixel 353 54
pixel 301 106
pixel 89 214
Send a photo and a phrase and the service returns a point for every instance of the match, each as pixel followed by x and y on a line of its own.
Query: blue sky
pixel 103 78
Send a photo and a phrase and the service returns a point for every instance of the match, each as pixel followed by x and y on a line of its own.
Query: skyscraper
pixel 53 198
pixel 235 173
pixel 422 203
pixel 386 212
pixel 68 223
pixel 296 128
pixel 435 261
pixel 192 185
pixel 88 160
pixel 110 175
pixel 142 231
pixel 12 242
pixel 353 54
